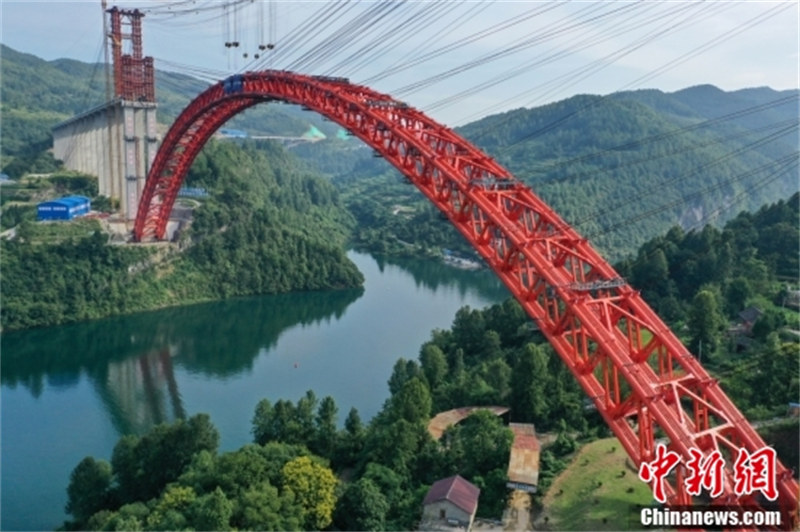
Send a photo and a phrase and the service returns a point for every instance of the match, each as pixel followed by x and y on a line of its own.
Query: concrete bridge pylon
pixel 117 141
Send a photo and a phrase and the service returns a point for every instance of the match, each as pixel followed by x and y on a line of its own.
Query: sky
pixel 545 51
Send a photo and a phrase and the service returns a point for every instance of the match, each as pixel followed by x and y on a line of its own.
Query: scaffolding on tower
pixel 133 73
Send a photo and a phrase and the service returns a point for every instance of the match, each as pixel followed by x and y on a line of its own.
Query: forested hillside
pixel 38 94
pixel 620 168
pixel 267 227
pixel 624 168
pixel 732 295
pixel 374 476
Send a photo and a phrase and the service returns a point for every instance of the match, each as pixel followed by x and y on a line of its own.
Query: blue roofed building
pixel 65 208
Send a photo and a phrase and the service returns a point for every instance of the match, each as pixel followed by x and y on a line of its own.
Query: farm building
pixel 523 465
pixel 65 208
pixel 450 502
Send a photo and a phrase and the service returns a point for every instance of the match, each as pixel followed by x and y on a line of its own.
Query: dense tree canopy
pixel 305 470
pixel 267 228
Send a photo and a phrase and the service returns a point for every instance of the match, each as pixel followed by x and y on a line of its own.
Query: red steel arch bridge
pixel 643 381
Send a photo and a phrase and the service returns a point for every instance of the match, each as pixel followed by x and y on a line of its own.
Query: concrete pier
pixel 117 142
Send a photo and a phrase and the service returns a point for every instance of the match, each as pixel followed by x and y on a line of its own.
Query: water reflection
pixel 433 274
pixel 219 339
pixel 85 385
pixel 140 392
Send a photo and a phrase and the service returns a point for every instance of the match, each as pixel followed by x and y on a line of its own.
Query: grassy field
pixel 597 491
pixel 54 232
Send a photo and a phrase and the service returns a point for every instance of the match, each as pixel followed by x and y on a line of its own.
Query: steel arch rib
pixel 643 381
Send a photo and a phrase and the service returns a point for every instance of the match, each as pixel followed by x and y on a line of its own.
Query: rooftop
pixel 456 490
pixel 523 464
pixel 442 420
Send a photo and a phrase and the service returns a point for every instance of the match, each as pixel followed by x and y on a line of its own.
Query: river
pixel 72 391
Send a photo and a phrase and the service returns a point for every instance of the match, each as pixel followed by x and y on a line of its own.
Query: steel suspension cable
pixel 508 50
pixel 419 19
pixel 619 29
pixel 476 36
pixel 414 53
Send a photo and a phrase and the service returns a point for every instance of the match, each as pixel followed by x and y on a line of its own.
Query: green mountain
pixel 622 168
pixel 38 94
pixel 625 167
pixel 269 224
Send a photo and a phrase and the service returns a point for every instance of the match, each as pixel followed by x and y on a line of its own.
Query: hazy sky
pixel 562 48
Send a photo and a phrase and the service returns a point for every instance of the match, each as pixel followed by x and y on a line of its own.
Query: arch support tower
pixel 117 141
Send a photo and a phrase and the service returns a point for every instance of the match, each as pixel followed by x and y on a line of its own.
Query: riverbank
pixel 86 384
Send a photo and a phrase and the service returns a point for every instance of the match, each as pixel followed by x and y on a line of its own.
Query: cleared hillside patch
pixel 598 491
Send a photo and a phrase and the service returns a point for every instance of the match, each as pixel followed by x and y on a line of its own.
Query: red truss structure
pixel 641 378
pixel 133 74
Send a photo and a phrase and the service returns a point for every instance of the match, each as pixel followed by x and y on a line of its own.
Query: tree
pixel 737 294
pixel 412 402
pixel 353 425
pixel 528 399
pixel 651 271
pixel 403 371
pixel 491 348
pixel 485 441
pixel 362 506
pixel 306 406
pixel 434 364
pixel 403 503
pixel 564 444
pixel 262 507
pixel 468 331
pixel 351 441
pixel 262 430
pixel 768 323
pixel 705 323
pixel 212 511
pixel 89 488
pixel 285 422
pixel 478 449
pixel 125 465
pixel 497 375
pixel 395 443
pixel 314 486
pixel 325 437
pixel 143 466
pixel 128 517
pixel 170 510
